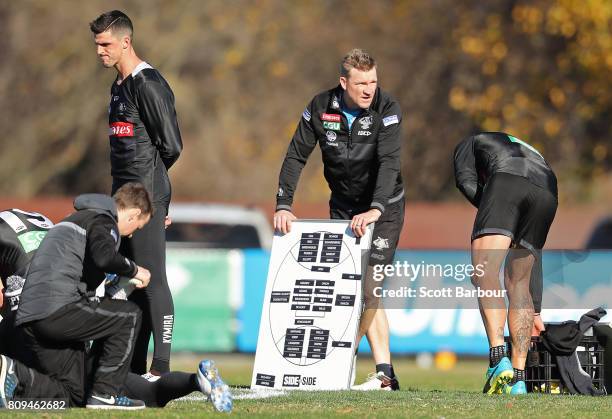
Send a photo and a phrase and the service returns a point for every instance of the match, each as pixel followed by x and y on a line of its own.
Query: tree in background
pixel 241 71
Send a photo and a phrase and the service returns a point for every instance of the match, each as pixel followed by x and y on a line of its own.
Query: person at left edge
pixel 145 142
pixel 56 310
pixel 20 235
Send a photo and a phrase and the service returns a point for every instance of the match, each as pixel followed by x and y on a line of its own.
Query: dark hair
pixel 115 21
pixel 134 195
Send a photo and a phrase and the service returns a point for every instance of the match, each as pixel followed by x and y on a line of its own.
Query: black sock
pixel 175 384
pixel 169 387
pixel 519 375
pixel 496 353
pixel 387 369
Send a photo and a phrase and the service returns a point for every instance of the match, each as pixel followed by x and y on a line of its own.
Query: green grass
pixel 425 393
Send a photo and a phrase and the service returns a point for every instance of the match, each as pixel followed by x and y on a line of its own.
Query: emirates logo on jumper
pixel 331 117
pixel 121 129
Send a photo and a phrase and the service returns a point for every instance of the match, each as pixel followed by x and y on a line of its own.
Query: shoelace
pixel 10 386
pixel 372 375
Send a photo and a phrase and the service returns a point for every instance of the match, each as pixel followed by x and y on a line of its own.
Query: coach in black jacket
pixel 58 317
pixel 357 127
pixel 361 161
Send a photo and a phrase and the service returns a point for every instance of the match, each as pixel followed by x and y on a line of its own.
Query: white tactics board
pixel 311 307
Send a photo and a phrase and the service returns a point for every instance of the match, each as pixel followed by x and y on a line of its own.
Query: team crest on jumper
pixel 381 243
pixel 335 103
pixel 331 136
pixel 365 122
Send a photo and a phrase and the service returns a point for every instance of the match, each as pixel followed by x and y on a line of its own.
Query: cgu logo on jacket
pixel 121 129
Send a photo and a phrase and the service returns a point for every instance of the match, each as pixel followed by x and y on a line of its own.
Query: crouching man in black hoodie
pixel 59 314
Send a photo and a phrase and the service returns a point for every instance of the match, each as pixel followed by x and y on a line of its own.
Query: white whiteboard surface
pixel 311 308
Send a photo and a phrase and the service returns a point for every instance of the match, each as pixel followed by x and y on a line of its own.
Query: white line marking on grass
pixel 238 394
pixel 258 394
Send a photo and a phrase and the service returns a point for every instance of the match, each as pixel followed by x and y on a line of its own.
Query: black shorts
pixel 514 207
pixel 386 230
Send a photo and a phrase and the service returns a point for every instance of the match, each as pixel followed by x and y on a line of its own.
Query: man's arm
pixel 156 108
pixel 101 246
pixel 302 144
pixel 388 149
pixel 466 177
pixel 535 289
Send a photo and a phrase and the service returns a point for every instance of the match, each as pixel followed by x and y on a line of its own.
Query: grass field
pixel 425 393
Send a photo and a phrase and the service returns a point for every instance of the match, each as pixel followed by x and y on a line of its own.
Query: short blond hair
pixel 356 58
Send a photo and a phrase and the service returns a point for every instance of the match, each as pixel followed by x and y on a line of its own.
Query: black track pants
pixel 147 247
pixel 35 386
pixel 57 345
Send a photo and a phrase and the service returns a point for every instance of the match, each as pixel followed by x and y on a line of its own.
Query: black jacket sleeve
pixel 101 246
pixel 302 144
pixel 466 177
pixel 388 150
pixel 156 107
